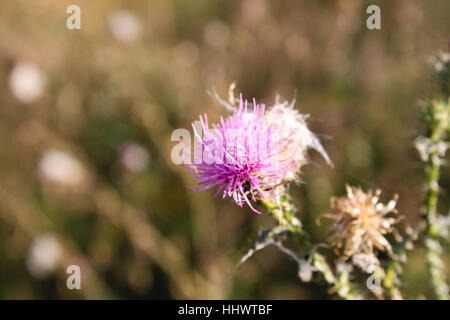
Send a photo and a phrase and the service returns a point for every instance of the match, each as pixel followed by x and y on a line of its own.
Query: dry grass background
pixel 109 95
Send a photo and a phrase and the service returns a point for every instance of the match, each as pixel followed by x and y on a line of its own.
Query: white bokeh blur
pixel 26 82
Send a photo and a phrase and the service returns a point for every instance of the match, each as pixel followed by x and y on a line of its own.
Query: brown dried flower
pixel 360 222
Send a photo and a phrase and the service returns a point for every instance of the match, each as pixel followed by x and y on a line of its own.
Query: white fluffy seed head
pixel 291 125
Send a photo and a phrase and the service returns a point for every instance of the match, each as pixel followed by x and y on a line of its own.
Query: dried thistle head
pixel 361 222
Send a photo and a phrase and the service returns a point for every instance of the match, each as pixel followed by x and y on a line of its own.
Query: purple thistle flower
pixel 242 156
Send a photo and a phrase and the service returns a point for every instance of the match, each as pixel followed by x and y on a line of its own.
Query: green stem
pixel 284 213
pixel 433 250
pixel 391 280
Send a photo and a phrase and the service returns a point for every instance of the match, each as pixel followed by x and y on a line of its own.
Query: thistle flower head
pixel 252 154
pixel 242 156
pixel 361 222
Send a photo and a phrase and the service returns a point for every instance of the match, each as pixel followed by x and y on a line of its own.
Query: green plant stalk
pixel 284 213
pixel 391 280
pixel 435 265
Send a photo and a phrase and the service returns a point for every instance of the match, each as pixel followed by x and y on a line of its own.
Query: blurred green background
pixel 86 118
